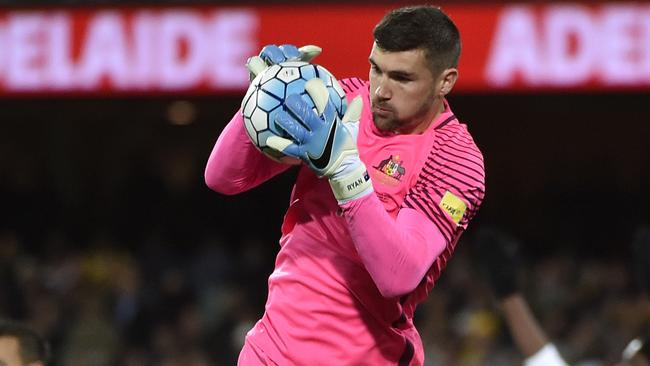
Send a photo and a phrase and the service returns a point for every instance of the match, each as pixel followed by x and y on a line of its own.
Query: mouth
pixel 382 109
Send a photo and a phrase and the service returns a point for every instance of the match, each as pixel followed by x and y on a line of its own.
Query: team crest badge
pixel 392 167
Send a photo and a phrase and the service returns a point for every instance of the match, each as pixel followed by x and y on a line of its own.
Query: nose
pixel 382 92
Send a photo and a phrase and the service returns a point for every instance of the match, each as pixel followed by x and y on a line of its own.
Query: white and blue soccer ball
pixel 267 92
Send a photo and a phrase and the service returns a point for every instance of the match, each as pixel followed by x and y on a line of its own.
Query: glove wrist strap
pixel 354 185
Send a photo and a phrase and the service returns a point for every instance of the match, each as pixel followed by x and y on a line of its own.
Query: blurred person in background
pixel 496 253
pixel 21 346
pixel 354 265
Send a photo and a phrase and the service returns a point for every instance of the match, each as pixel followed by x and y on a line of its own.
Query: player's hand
pixel 272 54
pixel 323 141
pixel 495 253
pixel 318 137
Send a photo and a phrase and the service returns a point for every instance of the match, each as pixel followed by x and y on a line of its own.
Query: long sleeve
pixel 235 165
pixel 397 252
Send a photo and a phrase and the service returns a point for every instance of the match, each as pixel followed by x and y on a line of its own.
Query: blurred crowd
pixel 170 304
pixel 161 305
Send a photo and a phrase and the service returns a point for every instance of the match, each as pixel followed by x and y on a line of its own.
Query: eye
pixel 401 78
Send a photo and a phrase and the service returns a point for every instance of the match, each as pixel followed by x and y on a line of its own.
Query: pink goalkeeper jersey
pixel 324 306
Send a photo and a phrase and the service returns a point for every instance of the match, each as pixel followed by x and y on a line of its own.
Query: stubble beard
pixel 385 123
pixel 392 122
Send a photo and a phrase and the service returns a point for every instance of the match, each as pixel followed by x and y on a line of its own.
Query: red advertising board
pixel 519 47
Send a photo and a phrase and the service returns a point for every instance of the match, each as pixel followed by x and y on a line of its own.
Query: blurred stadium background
pixel 112 246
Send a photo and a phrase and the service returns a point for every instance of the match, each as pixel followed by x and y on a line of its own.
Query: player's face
pixel 405 94
pixel 9 352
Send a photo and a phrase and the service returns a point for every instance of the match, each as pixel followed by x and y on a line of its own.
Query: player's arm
pixel 496 256
pixel 528 334
pixel 235 164
pixel 495 253
pixel 396 252
pixel 399 252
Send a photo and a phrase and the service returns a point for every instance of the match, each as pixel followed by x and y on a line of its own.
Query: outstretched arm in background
pixel 496 256
pixel 528 334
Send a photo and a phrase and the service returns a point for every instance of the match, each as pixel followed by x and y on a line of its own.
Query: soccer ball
pixel 266 94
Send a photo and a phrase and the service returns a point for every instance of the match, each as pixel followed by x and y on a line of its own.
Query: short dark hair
pixel 33 347
pixel 421 27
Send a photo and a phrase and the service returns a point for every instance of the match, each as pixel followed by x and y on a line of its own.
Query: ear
pixel 447 80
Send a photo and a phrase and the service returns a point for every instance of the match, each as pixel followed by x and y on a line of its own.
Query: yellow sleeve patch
pixel 454 206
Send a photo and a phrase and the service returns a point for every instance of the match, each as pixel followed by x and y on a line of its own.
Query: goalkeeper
pixel 380 201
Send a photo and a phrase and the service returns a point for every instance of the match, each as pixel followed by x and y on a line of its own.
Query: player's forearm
pixel 235 165
pixel 528 334
pixel 396 252
pixel 526 331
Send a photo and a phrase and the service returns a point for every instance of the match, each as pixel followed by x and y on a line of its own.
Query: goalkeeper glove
pixel 272 54
pixel 496 255
pixel 326 143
